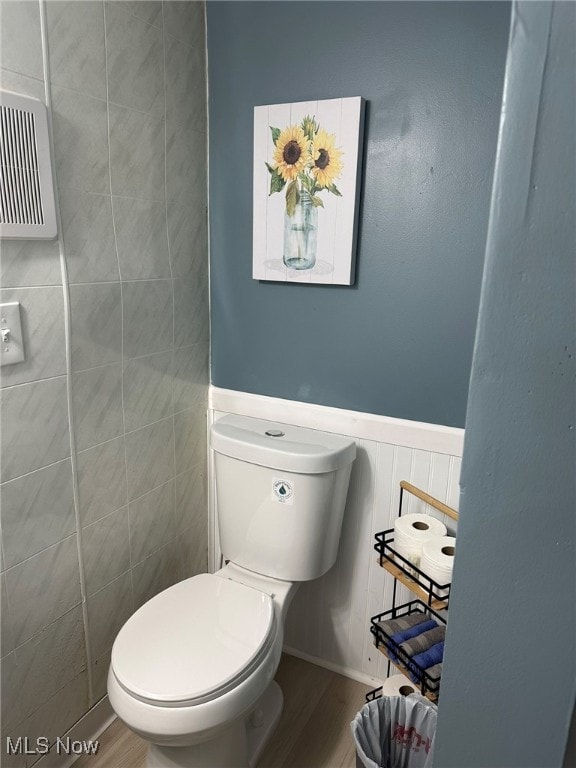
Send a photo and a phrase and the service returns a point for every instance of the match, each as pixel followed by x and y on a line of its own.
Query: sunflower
pixel 309 126
pixel 291 153
pixel 327 159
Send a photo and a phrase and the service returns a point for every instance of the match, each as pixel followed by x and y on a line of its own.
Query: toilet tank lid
pixel 296 449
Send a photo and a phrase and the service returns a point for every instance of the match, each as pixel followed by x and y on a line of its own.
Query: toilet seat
pixel 193 642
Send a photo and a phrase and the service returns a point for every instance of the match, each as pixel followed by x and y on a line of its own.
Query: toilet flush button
pixel 274 433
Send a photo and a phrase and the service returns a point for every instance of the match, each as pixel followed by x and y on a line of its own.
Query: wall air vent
pixel 27 209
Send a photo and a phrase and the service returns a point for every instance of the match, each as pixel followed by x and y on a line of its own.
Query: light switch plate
pixel 12 345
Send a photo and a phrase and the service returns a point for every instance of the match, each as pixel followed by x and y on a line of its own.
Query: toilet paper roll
pixel 398 685
pixel 411 531
pixel 437 560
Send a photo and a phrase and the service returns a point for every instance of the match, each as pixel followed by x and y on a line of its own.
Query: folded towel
pixel 435 673
pixel 425 660
pixel 424 641
pixel 418 629
pixel 401 637
pixel 392 626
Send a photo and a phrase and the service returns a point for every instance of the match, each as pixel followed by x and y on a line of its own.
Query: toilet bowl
pixel 192 670
pixel 215 641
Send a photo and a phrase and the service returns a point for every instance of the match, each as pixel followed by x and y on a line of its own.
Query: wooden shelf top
pixel 425 497
pixel 398 573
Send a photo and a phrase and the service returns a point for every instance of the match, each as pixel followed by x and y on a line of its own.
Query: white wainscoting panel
pixel 329 620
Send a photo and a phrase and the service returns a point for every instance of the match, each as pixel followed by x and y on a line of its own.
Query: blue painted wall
pixel 400 341
pixel 509 677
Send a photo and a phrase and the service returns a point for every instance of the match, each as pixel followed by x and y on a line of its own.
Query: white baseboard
pixel 88 728
pixel 367 426
pixel 352 674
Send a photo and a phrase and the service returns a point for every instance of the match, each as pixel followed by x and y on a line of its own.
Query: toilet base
pixel 238 746
pixel 263 721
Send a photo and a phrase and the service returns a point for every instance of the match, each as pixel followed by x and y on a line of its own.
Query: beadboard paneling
pixel 329 619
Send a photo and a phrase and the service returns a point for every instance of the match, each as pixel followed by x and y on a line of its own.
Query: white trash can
pixel 395 732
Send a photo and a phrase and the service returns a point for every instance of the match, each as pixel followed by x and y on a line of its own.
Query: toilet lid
pixel 193 640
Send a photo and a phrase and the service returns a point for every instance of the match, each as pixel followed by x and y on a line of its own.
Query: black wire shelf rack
pixel 431 592
pixel 428 684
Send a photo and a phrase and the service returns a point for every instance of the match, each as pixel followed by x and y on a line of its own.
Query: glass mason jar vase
pixel 300 234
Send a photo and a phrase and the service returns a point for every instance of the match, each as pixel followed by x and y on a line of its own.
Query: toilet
pixel 192 671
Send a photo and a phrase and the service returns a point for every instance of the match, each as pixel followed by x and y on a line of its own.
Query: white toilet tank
pixel 280 493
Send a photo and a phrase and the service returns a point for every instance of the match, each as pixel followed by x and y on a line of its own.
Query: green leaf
pixel 317 202
pixel 270 167
pixel 276 181
pixel 275 134
pixel 334 189
pixel 292 198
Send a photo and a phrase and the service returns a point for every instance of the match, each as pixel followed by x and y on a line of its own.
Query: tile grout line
pixel 29 287
pixel 4 68
pixel 99 519
pixel 68 342
pixel 110 364
pixel 210 489
pixel 4 589
pixel 122 362
pixel 35 381
pixel 98 445
pixel 47 627
pixel 169 256
pixel 126 280
pixel 36 469
pixel 92 193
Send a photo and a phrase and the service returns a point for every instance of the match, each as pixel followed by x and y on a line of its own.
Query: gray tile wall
pixel 129 122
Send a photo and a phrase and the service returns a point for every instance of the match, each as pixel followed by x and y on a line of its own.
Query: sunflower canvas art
pixel 307 159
